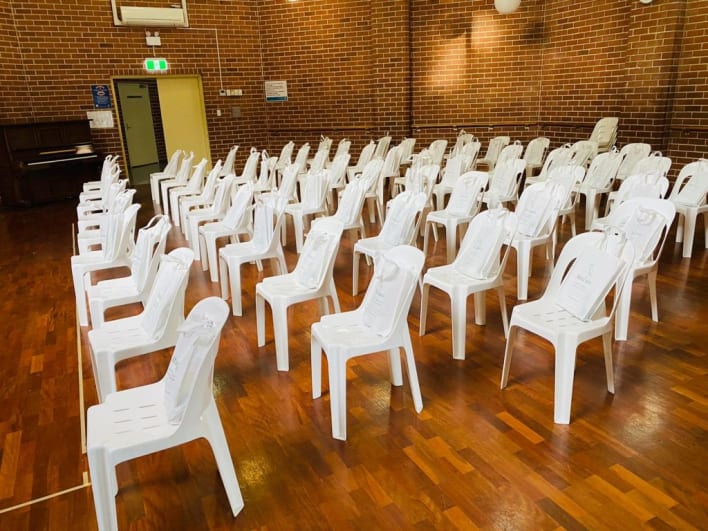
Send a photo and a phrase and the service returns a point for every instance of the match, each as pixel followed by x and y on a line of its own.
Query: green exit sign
pixel 155 64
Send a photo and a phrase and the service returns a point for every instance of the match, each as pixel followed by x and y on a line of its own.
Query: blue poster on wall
pixel 101 96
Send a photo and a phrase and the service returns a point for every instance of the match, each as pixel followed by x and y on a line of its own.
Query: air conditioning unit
pixel 150 16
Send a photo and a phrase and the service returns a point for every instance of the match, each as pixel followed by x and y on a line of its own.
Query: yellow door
pixel 183 115
pixel 137 122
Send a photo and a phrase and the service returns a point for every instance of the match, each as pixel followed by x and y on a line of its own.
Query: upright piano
pixel 45 161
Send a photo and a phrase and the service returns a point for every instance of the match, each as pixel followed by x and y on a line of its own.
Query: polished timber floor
pixel 475 457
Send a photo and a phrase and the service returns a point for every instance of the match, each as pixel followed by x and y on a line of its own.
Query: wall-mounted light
pixel 506 6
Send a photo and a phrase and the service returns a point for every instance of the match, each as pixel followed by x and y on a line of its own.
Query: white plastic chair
pixel 108 162
pixel 631 153
pixel 267 176
pixel 180 179
pixel 285 157
pixel 379 324
pixel 511 151
pixel 583 152
pixel 537 213
pixel 265 244
pixel 571 178
pixel 237 220
pixel 551 317
pixel 115 253
pixel 212 212
pixel 151 330
pixel 471 151
pixel 168 172
pixel 95 200
pixel 645 222
pixel 465 202
pixel 479 267
pixel 89 211
pixel 400 228
pixel 337 172
pixel 200 201
pixel 310 280
pixel 229 161
pixel 92 228
pixel 342 149
pixel 495 146
pixel 177 409
pixel 375 193
pixel 655 164
pixel 504 182
pixel 192 188
pixel 689 197
pixel 150 245
pixel 436 150
pixel 535 154
pixel 406 149
pixel 454 168
pixel 598 181
pixel 560 156
pixel 350 206
pixel 604 134
pixel 314 202
pixel 381 147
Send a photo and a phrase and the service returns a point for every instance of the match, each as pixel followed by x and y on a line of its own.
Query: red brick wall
pixel 354 69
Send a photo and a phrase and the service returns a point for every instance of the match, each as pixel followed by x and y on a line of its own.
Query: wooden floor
pixel 475 457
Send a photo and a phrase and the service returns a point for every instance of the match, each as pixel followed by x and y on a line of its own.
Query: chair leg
pixel 220 448
pixel 235 284
pixel 316 366
pixel 80 293
pixel 212 259
pixel 480 308
pixel 426 234
pixel 609 371
pixel 423 308
pixel 688 232
pixel 513 331
pixel 564 375
pixel 651 280
pixel 355 272
pixel 280 333
pixel 622 311
pixel 104 372
pixel 334 296
pixel 260 319
pixel 412 374
pixel 679 227
pixel 298 229
pixel 459 324
pixel 338 396
pixel 104 487
pixel 523 270
pixel 502 308
pixel 450 241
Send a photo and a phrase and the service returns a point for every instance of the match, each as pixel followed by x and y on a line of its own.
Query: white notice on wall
pixel 276 90
pixel 100 119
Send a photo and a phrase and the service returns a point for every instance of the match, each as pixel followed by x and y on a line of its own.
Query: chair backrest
pixel 392 163
pixel 195 182
pixel 119 232
pixel 511 152
pixel 568 177
pixel 289 181
pixel 113 190
pixel 466 196
pixel 406 146
pixel 302 154
pixel 250 168
pixel 316 262
pixel 366 154
pixel 437 151
pixel 655 163
pixel 556 157
pixel 388 298
pixel 471 151
pixel 462 139
pixel 402 219
pixel 605 133
pixel 583 152
pixel 318 162
pixel 506 177
pixel 222 195
pixel 266 219
pixel 342 147
pixel 314 190
pixel 239 207
pixel 691 185
pixel 536 151
pixel 480 254
pixel 495 146
pixel 184 169
pixel 190 374
pixel 165 304
pixel 382 147
pixel 210 183
pixel 285 157
pixel 604 259
pixel 338 170
pixel 228 166
pixel 351 202
pixel 602 171
pixel 537 210
pixel 173 163
pixel 149 246
pixel 641 185
pixel 645 222
pixel 121 201
pixel 454 167
pixel 324 145
pixel 630 154
pixel 266 178
pixel 371 173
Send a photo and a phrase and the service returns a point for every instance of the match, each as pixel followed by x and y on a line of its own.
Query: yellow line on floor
pixel 45 498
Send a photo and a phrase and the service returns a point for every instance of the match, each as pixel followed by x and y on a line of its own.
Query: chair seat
pixel 554 323
pixel 115 288
pixel 121 334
